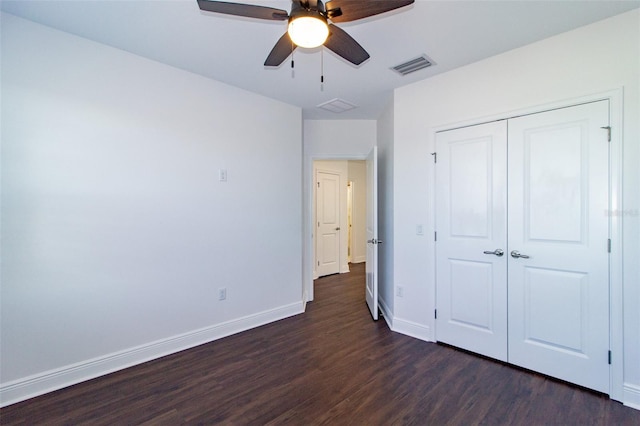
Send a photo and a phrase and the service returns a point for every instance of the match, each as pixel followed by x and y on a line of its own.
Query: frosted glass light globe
pixel 308 31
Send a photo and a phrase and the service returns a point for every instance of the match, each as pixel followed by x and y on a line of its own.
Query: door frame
pixel 615 98
pixel 308 251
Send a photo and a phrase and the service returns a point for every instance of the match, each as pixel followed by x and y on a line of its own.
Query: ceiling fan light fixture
pixel 308 31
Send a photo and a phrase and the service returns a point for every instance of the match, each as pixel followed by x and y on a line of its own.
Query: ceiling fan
pixel 311 24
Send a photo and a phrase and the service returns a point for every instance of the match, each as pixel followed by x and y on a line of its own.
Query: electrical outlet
pixel 399 291
pixel 222 293
pixel 222 175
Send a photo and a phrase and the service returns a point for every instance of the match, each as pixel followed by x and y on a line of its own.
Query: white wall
pixel 116 233
pixel 339 139
pixel 328 139
pixel 358 176
pixel 593 59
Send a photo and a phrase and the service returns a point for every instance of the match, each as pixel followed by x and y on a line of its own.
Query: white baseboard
pixel 631 396
pixel 402 326
pixel 39 384
pixel 386 313
pixel 359 259
pixel 413 329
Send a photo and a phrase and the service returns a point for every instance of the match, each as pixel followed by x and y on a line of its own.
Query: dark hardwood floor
pixel 331 365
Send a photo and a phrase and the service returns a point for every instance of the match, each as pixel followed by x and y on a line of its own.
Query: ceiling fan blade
pixel 248 10
pixel 358 9
pixel 281 51
pixel 345 46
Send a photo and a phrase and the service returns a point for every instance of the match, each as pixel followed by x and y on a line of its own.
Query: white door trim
pixel 615 98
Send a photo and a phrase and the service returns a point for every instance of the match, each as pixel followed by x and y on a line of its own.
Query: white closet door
pixel 558 199
pixel 471 225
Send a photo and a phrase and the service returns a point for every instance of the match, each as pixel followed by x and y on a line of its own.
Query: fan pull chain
pixel 321 69
pixel 293 72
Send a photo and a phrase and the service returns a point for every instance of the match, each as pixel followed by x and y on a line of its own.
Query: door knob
pixel 338 228
pixel 497 252
pixel 517 255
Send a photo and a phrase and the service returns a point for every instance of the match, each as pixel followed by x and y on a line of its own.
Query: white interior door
pixel 372 233
pixel 559 289
pixel 471 260
pixel 328 223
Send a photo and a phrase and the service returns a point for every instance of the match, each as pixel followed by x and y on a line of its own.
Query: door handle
pixel 338 228
pixel 497 252
pixel 517 255
pixel 374 241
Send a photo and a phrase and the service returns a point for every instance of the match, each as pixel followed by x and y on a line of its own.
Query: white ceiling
pixel 233 49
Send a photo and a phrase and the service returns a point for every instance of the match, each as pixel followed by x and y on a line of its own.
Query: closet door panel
pixel 471 220
pixel 558 244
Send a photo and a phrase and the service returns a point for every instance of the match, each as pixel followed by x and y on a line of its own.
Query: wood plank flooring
pixel 332 365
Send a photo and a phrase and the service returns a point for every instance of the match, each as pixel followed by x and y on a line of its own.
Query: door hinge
pixel 435 157
pixel 608 129
pixel 609 245
pixel 609 357
pixel 318 263
pixel 435 236
pixel 435 313
pixel 318 184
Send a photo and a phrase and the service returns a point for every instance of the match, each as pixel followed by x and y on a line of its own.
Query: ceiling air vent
pixel 337 105
pixel 413 65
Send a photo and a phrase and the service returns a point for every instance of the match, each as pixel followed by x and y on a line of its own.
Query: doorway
pixel 339 215
pixel 365 172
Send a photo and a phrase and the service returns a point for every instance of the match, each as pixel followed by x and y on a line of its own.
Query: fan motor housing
pixel 298 11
